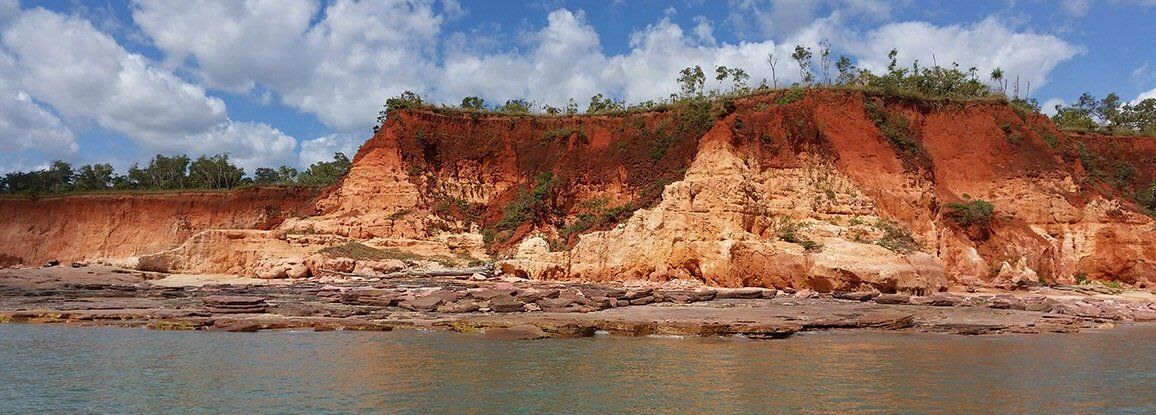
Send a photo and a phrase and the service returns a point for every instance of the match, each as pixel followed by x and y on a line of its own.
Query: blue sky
pixel 292 81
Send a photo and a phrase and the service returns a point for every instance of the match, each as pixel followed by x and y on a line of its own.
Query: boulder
pixel 318 262
pixel 276 268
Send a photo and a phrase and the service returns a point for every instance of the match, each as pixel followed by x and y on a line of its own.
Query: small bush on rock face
pixel 970 213
pixel 895 238
pixel 791 96
pixel 788 231
pixel 895 128
pixel 1147 198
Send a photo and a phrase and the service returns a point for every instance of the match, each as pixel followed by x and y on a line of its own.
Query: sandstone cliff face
pixel 76 228
pixel 808 194
pixel 836 191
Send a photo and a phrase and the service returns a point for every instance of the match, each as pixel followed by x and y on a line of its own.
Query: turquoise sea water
pixel 53 369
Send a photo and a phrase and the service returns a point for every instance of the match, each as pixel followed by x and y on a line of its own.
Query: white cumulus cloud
pixel 986 45
pixel 341 68
pixel 323 148
pixel 1143 96
pixel 85 74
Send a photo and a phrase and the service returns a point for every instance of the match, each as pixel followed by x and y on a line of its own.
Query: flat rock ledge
pixel 523 309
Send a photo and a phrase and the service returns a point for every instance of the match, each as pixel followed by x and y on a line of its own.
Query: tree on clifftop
pixel 163 172
pixel 269 176
pixel 94 177
pixel 473 103
pixel 802 56
pixel 323 173
pixel 407 99
pixel 214 172
pixel 515 107
pixel 691 81
pixel 599 105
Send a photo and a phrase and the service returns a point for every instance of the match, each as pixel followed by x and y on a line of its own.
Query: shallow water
pixel 54 369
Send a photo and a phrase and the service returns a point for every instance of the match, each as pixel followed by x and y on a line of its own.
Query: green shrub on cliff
pixel 926 82
pixel 896 130
pixel 1146 198
pixel 970 213
pixel 473 103
pixel 896 238
pixel 516 107
pixel 788 231
pixel 531 205
pixel 323 173
pixel 603 105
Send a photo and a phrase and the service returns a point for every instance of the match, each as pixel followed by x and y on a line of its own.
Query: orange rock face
pixel 76 228
pixel 837 191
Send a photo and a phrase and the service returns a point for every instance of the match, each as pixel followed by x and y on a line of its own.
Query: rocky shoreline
pixel 523 309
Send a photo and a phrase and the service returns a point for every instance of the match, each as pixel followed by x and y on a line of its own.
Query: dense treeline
pixel 176 172
pixel 1108 114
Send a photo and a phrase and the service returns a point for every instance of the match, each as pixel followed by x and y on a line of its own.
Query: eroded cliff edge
pixel 833 190
pixel 122 226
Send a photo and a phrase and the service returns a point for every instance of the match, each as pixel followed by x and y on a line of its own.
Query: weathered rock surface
pixel 54 295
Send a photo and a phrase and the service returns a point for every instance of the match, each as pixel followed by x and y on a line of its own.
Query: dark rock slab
pixel 856 296
pixel 459 307
pixel 892 298
pixel 506 304
pixel 427 303
pixel 488 294
pixel 741 293
pixel 233 300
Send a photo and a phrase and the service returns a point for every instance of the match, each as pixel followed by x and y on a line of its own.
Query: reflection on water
pixel 82 370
